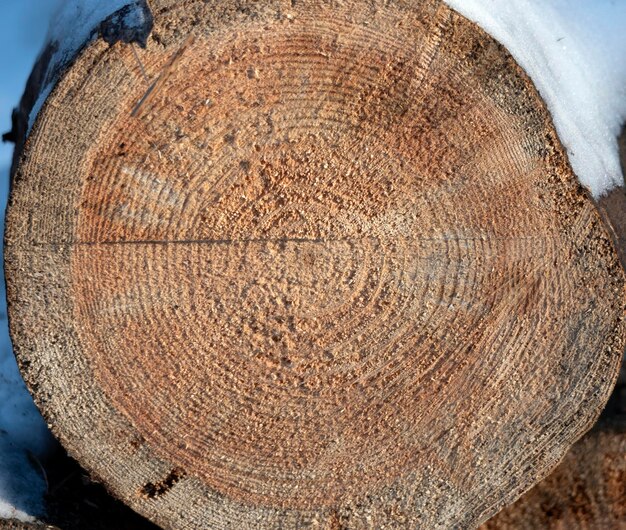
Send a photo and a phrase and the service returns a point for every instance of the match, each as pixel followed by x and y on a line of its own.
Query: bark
pixel 327 266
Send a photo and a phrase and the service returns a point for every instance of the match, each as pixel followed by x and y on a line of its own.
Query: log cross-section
pixel 326 266
pixel 587 491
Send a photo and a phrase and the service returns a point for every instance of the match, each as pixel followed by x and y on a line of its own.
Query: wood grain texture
pixel 587 491
pixel 588 488
pixel 329 267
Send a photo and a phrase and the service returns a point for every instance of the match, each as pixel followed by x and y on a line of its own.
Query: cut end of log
pixel 74 25
pixel 329 265
pixel 587 490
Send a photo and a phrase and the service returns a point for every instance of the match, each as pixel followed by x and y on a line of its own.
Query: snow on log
pixel 309 264
pixel 74 25
pixel 573 50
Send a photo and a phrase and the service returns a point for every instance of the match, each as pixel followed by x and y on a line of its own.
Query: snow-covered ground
pixel 24 437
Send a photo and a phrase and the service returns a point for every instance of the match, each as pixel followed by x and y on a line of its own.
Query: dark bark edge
pixel 132 23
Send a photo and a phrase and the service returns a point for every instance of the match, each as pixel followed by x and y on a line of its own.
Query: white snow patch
pixel 74 24
pixel 575 53
pixel 22 487
pixel 8 511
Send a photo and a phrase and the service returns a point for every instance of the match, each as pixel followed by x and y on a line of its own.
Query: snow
pixel 75 23
pixel 22 486
pixel 575 53
pixel 24 436
pixel 23 26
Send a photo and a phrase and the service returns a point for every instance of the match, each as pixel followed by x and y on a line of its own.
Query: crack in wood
pixel 154 490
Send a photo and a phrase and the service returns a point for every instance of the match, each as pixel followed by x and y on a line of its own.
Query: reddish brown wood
pixel 329 267
pixel 588 489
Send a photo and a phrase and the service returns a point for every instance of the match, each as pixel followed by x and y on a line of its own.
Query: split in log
pixel 328 266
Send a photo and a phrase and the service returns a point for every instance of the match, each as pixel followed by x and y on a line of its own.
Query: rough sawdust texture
pixel 588 488
pixel 328 267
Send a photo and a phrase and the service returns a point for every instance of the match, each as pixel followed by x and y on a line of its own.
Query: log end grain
pixel 586 491
pixel 328 266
